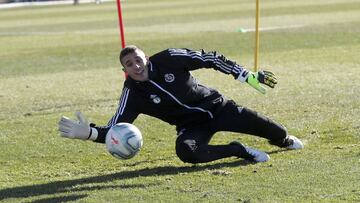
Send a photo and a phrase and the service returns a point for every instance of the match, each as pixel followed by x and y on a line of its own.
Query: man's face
pixel 135 65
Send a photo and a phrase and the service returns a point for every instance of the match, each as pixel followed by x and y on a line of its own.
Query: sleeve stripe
pixel 124 100
pixel 220 64
pixel 205 58
pixel 237 69
pixel 121 108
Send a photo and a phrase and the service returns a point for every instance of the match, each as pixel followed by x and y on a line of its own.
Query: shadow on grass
pixel 67 198
pixel 77 185
pixel 277 151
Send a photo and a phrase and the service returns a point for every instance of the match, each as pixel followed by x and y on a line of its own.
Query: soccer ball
pixel 123 140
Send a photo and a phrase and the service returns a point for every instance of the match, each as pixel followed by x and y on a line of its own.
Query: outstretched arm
pixel 127 112
pixel 82 129
pixel 193 60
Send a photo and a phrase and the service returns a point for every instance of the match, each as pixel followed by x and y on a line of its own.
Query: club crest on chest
pixel 156 99
pixel 169 77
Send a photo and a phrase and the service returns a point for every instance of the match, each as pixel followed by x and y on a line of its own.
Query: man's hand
pixel 76 129
pixel 264 77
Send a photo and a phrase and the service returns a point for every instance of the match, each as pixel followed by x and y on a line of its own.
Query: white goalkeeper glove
pixel 254 79
pixel 74 129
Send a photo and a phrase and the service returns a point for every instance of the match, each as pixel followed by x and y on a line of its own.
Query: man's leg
pixel 192 147
pixel 235 118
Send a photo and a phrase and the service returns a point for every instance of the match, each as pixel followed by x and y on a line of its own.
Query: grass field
pixel 55 60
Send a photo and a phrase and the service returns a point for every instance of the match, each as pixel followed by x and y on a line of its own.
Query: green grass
pixel 58 59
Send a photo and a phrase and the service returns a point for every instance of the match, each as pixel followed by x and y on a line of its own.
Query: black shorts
pixel 232 118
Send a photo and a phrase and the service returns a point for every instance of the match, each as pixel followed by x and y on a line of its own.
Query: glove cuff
pixel 93 134
pixel 244 74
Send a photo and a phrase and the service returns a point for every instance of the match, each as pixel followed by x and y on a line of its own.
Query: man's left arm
pixel 193 60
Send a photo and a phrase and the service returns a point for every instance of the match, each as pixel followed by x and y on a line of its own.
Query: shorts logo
pixel 192 144
pixel 181 131
pixel 217 100
pixel 169 77
pixel 156 99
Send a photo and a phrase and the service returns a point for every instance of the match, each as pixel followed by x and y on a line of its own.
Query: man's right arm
pixel 126 112
pixel 81 129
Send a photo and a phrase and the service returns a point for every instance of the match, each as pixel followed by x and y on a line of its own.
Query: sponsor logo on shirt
pixel 169 77
pixel 156 99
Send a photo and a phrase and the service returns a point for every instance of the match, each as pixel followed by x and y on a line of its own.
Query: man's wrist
pixel 93 134
pixel 244 74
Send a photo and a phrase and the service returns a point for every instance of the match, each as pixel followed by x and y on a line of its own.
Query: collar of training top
pixel 153 71
pixel 153 74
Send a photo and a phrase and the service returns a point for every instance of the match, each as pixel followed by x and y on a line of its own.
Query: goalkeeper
pixel 161 86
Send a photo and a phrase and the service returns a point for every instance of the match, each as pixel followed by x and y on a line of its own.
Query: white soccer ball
pixel 124 140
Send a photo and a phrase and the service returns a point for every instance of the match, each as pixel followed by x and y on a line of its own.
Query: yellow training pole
pixel 257 37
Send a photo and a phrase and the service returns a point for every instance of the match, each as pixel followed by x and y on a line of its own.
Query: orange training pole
pixel 122 35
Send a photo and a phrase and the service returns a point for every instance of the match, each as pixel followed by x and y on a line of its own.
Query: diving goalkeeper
pixel 162 86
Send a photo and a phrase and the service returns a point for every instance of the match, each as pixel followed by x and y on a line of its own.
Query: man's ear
pixel 147 60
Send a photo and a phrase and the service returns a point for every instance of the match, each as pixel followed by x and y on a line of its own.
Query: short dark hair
pixel 127 50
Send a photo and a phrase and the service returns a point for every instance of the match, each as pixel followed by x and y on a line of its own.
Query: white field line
pixel 114 31
pixel 273 28
pixel 57 33
pixel 46 3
